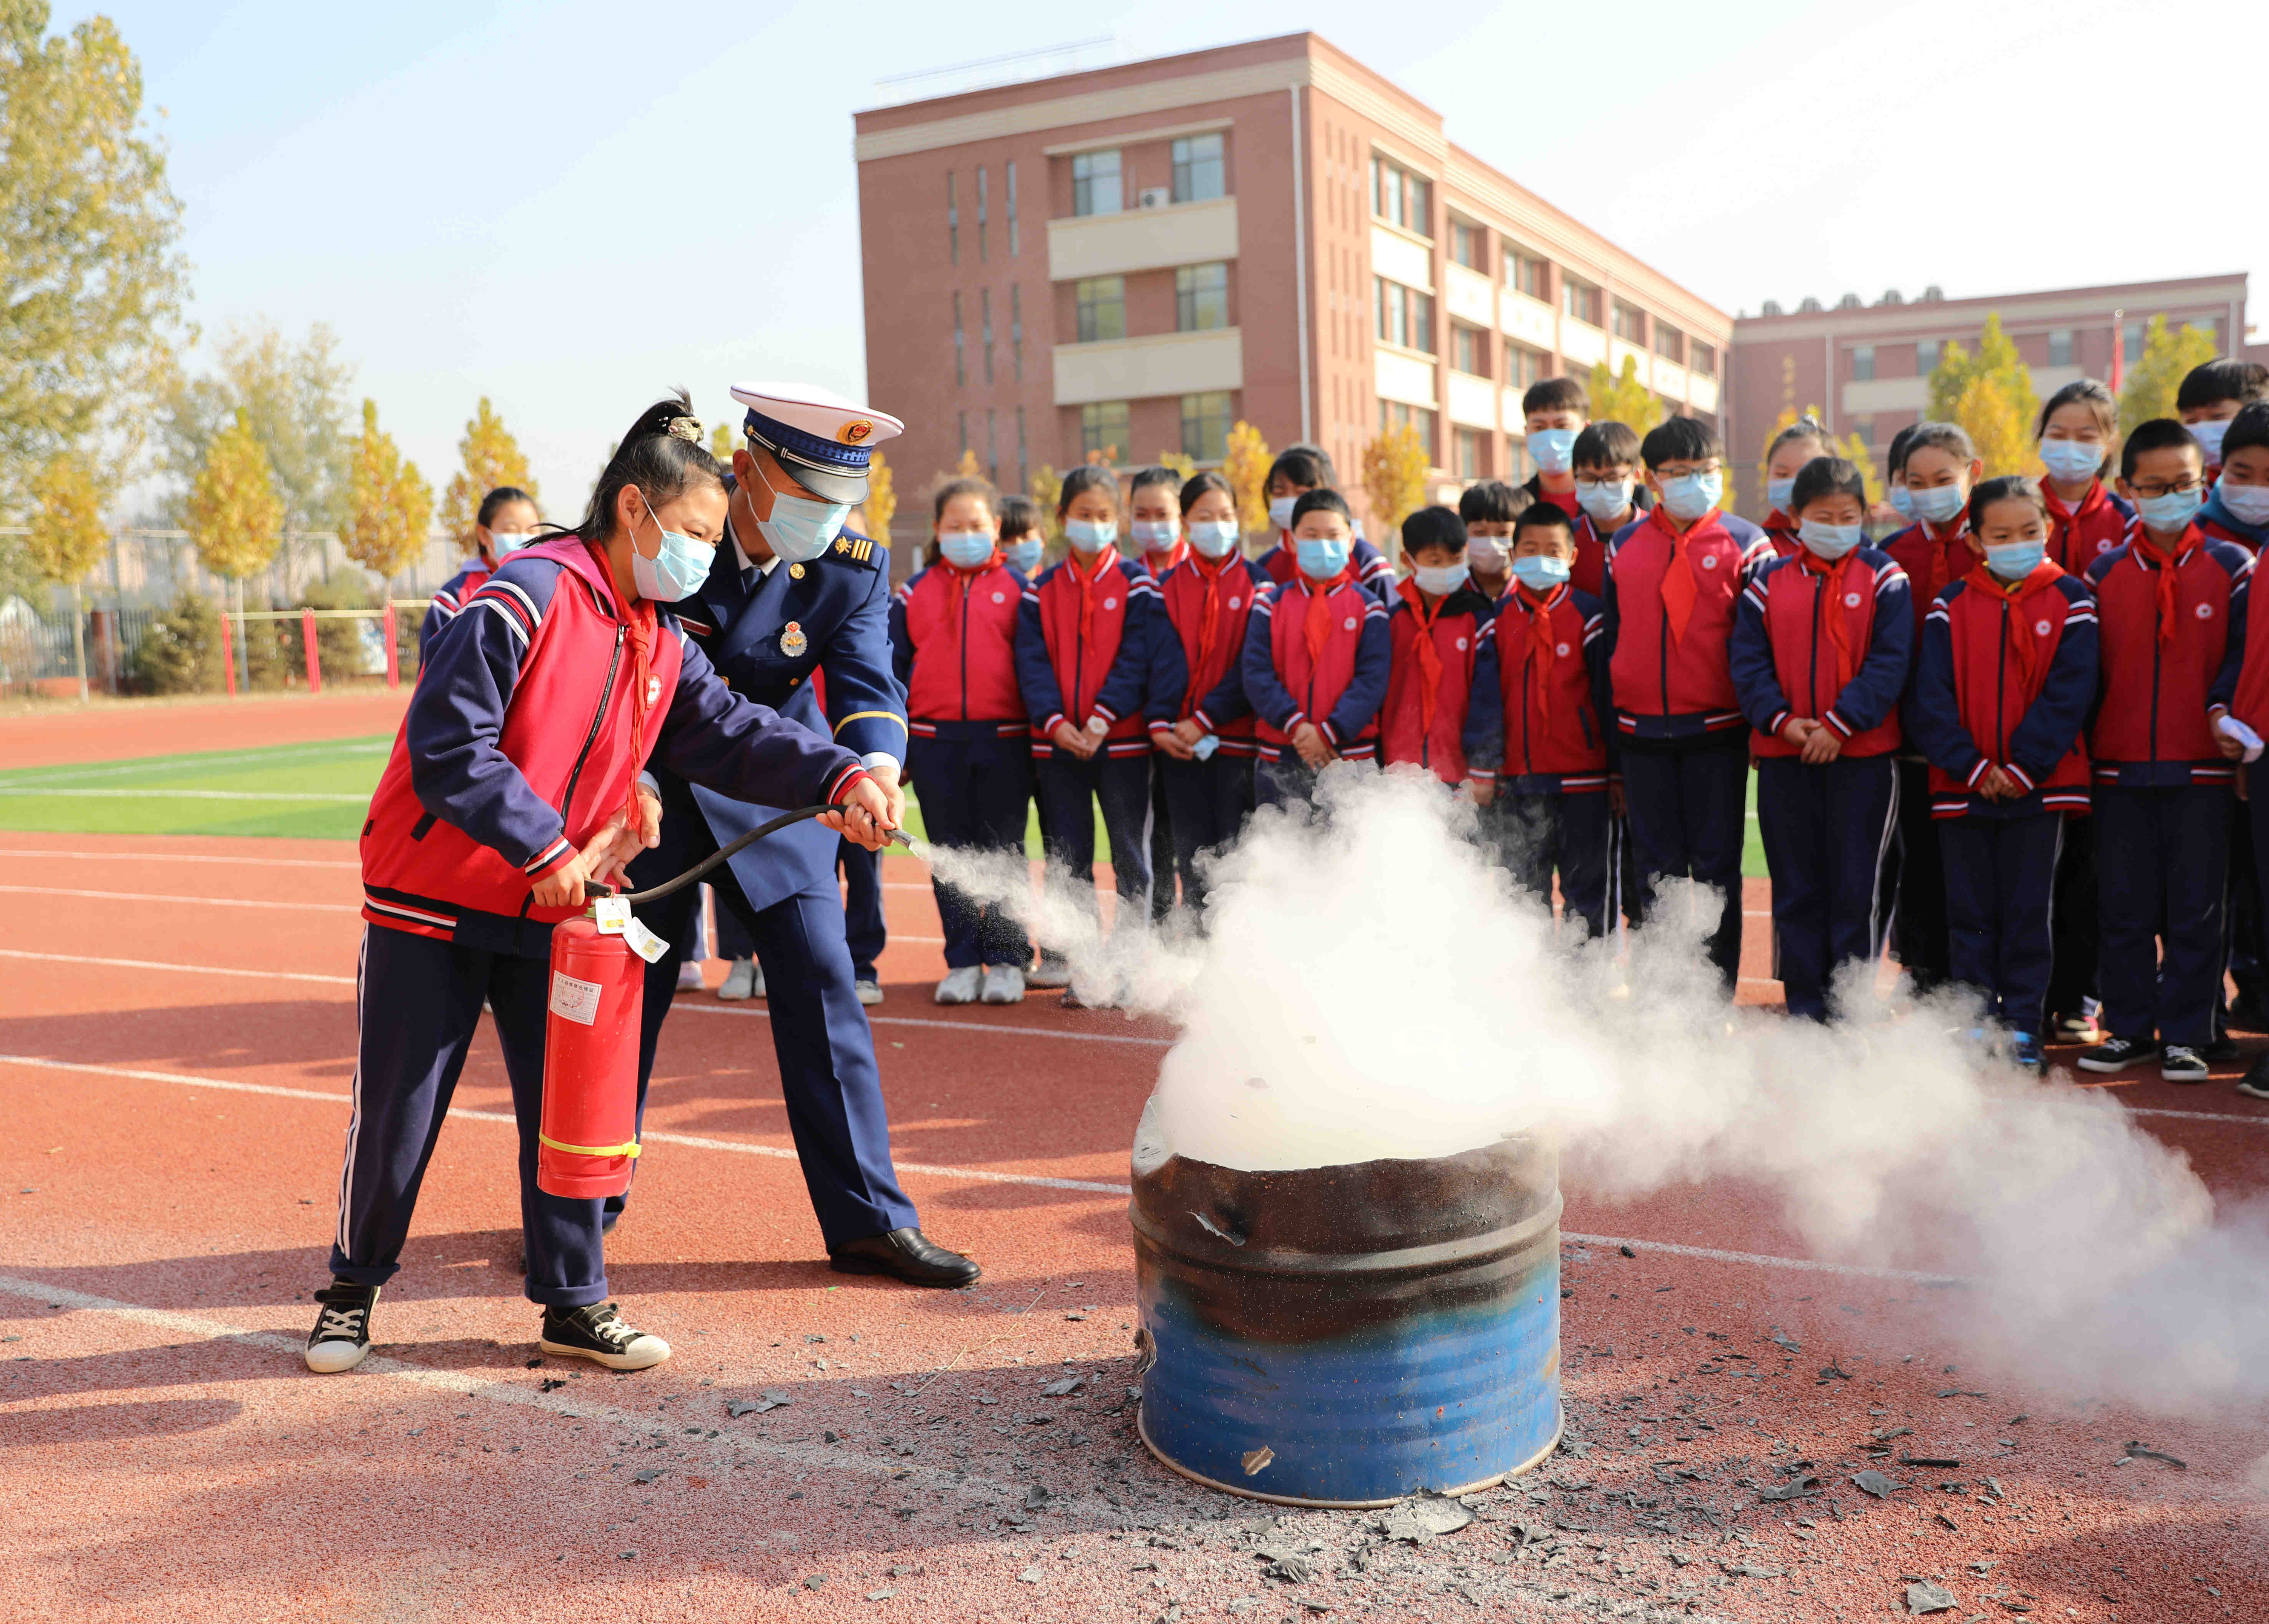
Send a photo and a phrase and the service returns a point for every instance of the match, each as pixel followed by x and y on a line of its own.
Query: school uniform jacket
pixel 2006 680
pixel 1676 693
pixel 1931 561
pixel 524 735
pixel 450 602
pixel 1341 688
pixel 953 647
pixel 1588 574
pixel 2221 525
pixel 2078 536
pixel 1199 676
pixel 1370 567
pixel 1083 653
pixel 1780 530
pixel 2164 664
pixel 1789 661
pixel 1411 729
pixel 1536 726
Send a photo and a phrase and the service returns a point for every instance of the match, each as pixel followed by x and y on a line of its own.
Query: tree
pixel 491 458
pixel 967 469
pixel 1246 467
pixel 2149 389
pixel 234 515
pixel 1624 400
pixel 294 398
pixel 1047 487
pixel 882 503
pixel 1394 468
pixel 67 538
pixel 90 280
pixel 723 442
pixel 1181 462
pixel 1856 451
pixel 2001 414
pixel 389 505
pixel 1853 448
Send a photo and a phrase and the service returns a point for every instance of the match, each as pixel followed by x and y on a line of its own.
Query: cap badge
pixel 856 432
pixel 793 642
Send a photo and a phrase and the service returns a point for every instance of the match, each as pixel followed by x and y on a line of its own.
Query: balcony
pixel 1583 343
pixel 1867 396
pixel 1114 245
pixel 1669 379
pixel 1400 257
pixel 1132 369
pixel 1468 297
pixel 1403 377
pixel 1619 350
pixel 1528 321
pixel 1472 400
pixel 1701 392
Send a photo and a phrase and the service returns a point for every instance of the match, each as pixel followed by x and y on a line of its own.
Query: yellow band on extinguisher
pixel 630 1149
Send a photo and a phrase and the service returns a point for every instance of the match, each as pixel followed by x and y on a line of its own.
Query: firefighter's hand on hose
pixel 563 887
pixel 886 774
pixel 865 818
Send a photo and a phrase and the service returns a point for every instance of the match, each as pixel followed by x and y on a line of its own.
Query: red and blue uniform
pixel 1780 530
pixel 1204 606
pixel 450 602
pixel 2081 533
pixel 1830 643
pixel 953 641
pixel 1670 607
pixel 1314 652
pixel 1282 564
pixel 2221 525
pixel 1932 558
pixel 1432 653
pixel 522 738
pixel 2006 677
pixel 1588 574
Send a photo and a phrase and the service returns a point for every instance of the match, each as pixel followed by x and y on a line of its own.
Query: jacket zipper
pixel 1528 676
pixel 2001 687
pixel 965 650
pixel 2157 654
pixel 606 695
pixel 1819 591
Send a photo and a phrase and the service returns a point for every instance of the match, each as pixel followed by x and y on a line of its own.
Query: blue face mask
pixel 1689 496
pixel 2072 459
pixel 1087 537
pixel 2171 514
pixel 2017 560
pixel 1439 582
pixel 1828 541
pixel 1554 449
pixel 1778 492
pixel 1540 572
pixel 1321 557
pixel 966 549
pixel 799 527
pixel 1215 538
pixel 2208 435
pixel 1902 503
pixel 1280 511
pixel 2247 504
pixel 1155 534
pixel 1605 500
pixel 1939 503
pixel 1023 555
pixel 676 572
pixel 504 543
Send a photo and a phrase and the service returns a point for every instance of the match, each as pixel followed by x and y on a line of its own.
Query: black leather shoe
pixel 908 1254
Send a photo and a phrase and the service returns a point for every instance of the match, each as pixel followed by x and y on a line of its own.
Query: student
pixel 506 522
pixel 1937 468
pixel 1486 510
pixel 2002 687
pixel 2172 608
pixel 2077 430
pixel 953 641
pixel 1083 651
pixel 2238 510
pixel 2210 396
pixel 1553 412
pixel 1022 545
pixel 1297 470
pixel 469 859
pixel 1154 507
pixel 1670 582
pixel 1895 482
pixel 1820 654
pixel 1434 635
pixel 1607 490
pixel 1791 448
pixel 1316 657
pixel 1537 748
pixel 1200 694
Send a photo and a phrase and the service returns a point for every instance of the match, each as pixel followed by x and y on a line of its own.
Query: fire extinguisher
pixel 587 1137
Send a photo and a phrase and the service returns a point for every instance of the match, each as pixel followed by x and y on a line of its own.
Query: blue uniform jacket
pixel 449 603
pixel 1873 695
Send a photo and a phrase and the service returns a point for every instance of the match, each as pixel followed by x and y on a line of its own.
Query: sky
pixel 570 206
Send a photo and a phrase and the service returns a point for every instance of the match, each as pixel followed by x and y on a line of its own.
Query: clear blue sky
pixel 568 205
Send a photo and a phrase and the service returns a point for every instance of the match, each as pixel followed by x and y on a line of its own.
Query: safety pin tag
pixel 613 915
pixel 643 941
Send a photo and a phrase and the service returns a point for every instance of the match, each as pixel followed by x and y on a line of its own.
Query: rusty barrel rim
pixel 1408 1259
pixel 1142 1431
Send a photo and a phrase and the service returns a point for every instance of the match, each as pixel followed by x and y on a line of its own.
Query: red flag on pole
pixel 2118 348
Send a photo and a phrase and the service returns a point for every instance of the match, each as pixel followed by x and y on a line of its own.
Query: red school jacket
pixel 2078 536
pixel 2163 658
pixel 1427 728
pixel 1534 724
pixel 1669 684
pixel 953 636
pixel 1830 642
pixel 1934 560
pixel 1213 687
pixel 1340 688
pixel 1082 650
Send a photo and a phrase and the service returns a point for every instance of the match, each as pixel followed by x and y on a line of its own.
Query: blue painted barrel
pixel 1349 1335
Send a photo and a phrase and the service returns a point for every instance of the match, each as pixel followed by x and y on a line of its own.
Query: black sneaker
pixel 597 1333
pixel 2248 1012
pixel 342 1332
pixel 2256 1080
pixel 2181 1063
pixel 2117 1054
pixel 2220 1051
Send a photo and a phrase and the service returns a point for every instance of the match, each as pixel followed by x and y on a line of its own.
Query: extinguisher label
pixel 643 942
pixel 575 1001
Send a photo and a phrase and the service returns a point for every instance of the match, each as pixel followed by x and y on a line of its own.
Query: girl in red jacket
pixel 953 640
pixel 1791 448
pixel 2077 430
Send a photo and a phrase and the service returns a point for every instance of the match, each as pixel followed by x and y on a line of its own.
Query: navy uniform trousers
pixel 2163 888
pixel 864 931
pixel 1825 829
pixel 1916 884
pixel 1689 818
pixel 1121 785
pixel 2000 884
pixel 1535 835
pixel 824 1046
pixel 416 1002
pixel 1207 803
pixel 974 781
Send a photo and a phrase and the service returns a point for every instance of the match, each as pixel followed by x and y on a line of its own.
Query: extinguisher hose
pixel 722 854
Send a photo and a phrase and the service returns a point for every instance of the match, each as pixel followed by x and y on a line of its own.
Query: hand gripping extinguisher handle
pixel 721 854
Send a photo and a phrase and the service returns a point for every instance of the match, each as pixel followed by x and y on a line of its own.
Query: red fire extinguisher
pixel 588 1133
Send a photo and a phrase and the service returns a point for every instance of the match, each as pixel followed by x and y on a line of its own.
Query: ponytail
pixel 662 456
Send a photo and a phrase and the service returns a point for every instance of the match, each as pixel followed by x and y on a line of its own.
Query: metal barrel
pixel 1349 1335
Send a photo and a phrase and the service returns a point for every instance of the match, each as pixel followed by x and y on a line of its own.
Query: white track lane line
pixel 194 902
pixel 200 969
pixel 186 857
pixel 297 753
pixel 177 794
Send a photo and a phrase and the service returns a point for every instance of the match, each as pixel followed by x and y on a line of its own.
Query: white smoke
pixel 1371 986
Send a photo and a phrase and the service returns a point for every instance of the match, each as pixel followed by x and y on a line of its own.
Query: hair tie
pixel 688 429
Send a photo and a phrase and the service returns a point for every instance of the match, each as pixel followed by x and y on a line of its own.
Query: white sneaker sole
pixel 644 1352
pixel 331 1358
pixel 868 993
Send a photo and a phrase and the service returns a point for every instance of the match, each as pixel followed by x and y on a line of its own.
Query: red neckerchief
pixel 2169 567
pixel 1103 560
pixel 1209 570
pixel 1945 553
pixel 1319 629
pixel 639 625
pixel 2064 519
pixel 969 576
pixel 1680 586
pixel 1430 658
pixel 1542 650
pixel 1839 627
pixel 1162 565
pixel 2022 643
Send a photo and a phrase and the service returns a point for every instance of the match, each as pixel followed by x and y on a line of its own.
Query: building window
pixel 1518 468
pixel 1101 430
pixel 985 314
pixel 1926 357
pixel 1522 367
pixel 1394 415
pixel 1524 273
pixel 992 449
pixel 1404 315
pixel 2060 346
pixel 1466 246
pixel 1095 183
pixel 1863 363
pixel 1472 454
pixel 1102 305
pixel 1200 298
pixel 1705 359
pixel 952 221
pixel 2131 343
pixel 1023 464
pixel 960 354
pixel 1402 199
pixel 1010 201
pixel 1468 351
pixel 983 193
pixel 961 425
pixel 1016 329
pixel 1198 170
pixel 1631 323
pixel 1579 301
pixel 1669 342
pixel 1205 426
pixel 1865 428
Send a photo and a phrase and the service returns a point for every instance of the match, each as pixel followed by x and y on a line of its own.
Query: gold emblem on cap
pixel 856 432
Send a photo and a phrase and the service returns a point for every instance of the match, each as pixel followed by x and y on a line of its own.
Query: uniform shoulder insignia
pixel 859 549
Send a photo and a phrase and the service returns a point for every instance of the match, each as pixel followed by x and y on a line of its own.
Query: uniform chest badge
pixel 2040 627
pixel 1851 600
pixel 2206 611
pixel 2103 546
pixel 1461 646
pixel 1000 597
pixel 653 689
pixel 1709 561
pixel 1237 603
pixel 1348 625
pixel 1111 603
pixel 1561 649
pixel 793 642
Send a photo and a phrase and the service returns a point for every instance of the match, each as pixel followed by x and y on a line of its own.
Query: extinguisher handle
pixel 722 854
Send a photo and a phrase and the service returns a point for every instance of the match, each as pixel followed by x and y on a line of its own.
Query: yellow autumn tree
pixel 1246 467
pixel 2002 413
pixel 967 469
pixel 1855 450
pixel 1045 487
pixel 1625 399
pixel 1999 427
pixel 389 505
pixel 1182 463
pixel 492 457
pixel 882 503
pixel 2148 390
pixel 723 442
pixel 67 538
pixel 235 517
pixel 1394 477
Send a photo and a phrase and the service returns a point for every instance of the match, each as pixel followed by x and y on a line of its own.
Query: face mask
pixel 2247 504
pixel 1553 448
pixel 2017 560
pixel 1485 553
pixel 1280 511
pixel 1321 557
pixel 1689 496
pixel 1939 503
pixel 1902 503
pixel 1088 537
pixel 1215 538
pixel 966 549
pixel 1438 582
pixel 1778 492
pixel 1604 499
pixel 2209 436
pixel 1024 555
pixel 1540 571
pixel 1155 534
pixel 2171 512
pixel 504 541
pixel 1828 541
pixel 799 527
pixel 2072 459
pixel 677 573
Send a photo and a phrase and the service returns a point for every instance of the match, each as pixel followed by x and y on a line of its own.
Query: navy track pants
pixel 1825 830
pixel 2000 884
